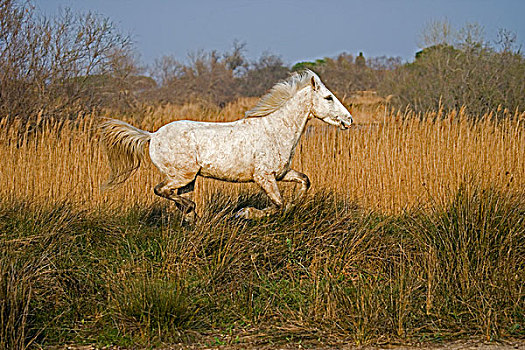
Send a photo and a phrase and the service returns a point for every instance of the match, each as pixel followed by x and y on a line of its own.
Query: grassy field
pixel 414 230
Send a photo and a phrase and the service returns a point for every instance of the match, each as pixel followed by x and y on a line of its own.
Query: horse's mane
pixel 280 94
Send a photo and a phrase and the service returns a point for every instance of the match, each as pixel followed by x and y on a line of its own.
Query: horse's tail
pixel 125 147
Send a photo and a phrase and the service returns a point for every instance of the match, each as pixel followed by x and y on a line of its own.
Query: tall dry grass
pixel 354 263
pixel 390 163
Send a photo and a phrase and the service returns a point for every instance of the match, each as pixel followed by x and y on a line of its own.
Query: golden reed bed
pixel 387 162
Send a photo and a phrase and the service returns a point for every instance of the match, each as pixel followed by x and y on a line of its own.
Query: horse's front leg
pixel 269 185
pixel 302 180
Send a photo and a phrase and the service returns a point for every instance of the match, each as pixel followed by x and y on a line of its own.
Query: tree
pixel 46 64
pixel 464 72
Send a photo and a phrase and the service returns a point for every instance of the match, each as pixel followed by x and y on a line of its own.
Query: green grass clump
pixel 324 270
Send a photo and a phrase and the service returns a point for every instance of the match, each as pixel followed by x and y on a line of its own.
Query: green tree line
pixel 71 63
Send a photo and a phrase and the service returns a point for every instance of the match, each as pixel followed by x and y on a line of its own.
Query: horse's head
pixel 327 107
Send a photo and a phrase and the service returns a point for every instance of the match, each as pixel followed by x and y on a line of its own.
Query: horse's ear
pixel 314 83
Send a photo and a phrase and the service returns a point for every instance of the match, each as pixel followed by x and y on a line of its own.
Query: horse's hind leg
pixel 172 189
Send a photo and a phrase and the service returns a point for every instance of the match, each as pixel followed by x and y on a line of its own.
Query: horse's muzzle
pixel 344 124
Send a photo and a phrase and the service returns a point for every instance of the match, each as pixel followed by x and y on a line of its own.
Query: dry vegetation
pixel 413 231
pixel 388 162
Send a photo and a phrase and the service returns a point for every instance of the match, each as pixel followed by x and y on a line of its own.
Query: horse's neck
pixel 290 120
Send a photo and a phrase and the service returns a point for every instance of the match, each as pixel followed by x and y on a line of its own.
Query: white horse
pixel 258 148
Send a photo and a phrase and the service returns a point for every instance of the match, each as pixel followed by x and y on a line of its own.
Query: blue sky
pixel 296 30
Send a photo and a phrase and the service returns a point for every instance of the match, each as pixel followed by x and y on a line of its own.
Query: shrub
pixel 468 72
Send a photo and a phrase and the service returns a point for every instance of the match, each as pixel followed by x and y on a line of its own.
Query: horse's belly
pixel 227 173
pixel 227 156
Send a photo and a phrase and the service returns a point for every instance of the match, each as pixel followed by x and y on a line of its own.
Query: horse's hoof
pixel 190 219
pixel 250 213
pixel 244 213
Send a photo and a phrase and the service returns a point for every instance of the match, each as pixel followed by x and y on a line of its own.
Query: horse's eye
pixel 329 98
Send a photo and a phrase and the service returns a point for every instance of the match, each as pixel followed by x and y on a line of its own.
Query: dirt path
pixel 474 344
pixel 455 345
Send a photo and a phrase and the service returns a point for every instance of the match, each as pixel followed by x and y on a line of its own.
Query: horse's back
pixel 219 150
